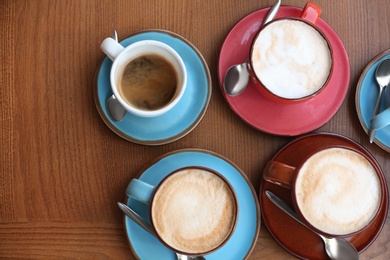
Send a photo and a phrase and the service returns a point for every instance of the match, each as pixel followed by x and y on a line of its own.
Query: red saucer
pixel 271 116
pixel 292 236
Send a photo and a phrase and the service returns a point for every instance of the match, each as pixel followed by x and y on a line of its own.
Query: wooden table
pixel 62 170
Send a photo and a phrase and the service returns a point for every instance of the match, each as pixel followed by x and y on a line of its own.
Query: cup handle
pixel 279 173
pixel 111 48
pixel 381 120
pixel 140 191
pixel 311 12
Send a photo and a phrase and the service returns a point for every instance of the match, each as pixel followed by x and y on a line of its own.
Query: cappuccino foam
pixel 291 59
pixel 194 211
pixel 338 191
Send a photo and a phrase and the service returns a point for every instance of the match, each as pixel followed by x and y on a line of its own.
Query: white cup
pixel 122 56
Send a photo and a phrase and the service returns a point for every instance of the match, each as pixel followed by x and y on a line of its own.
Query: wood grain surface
pixel 62 170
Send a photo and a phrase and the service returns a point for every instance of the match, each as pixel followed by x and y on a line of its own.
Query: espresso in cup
pixel 194 210
pixel 149 82
pixel 148 78
pixel 291 58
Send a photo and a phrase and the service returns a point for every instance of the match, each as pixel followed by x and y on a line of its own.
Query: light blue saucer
pixel 177 122
pixel 240 245
pixel 367 92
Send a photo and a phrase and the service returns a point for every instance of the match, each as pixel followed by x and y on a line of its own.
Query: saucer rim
pixel 217 156
pixel 170 139
pixel 384 201
pixel 327 115
pixel 358 92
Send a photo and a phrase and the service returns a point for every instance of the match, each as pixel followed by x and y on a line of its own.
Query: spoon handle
pixel 272 12
pixel 371 134
pixel 378 101
pixel 283 206
pixel 115 35
pixel 134 216
pixel 371 131
pixel 145 225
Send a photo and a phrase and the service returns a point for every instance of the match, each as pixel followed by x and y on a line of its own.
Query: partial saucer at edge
pixel 276 117
pixel 177 122
pixel 367 92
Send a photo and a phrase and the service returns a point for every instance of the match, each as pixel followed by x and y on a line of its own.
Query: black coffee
pixel 149 82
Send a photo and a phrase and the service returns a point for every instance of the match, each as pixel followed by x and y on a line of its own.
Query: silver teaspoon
pixel 237 76
pixel 336 248
pixel 145 225
pixel 382 75
pixel 115 110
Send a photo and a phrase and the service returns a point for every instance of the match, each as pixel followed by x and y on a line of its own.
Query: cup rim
pixel 260 84
pixel 377 171
pixel 172 102
pixel 232 228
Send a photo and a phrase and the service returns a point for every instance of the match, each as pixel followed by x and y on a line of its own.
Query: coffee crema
pixel 291 59
pixel 149 82
pixel 194 211
pixel 338 191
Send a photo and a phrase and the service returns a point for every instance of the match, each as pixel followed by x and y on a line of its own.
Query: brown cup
pixel 193 210
pixel 280 90
pixel 331 189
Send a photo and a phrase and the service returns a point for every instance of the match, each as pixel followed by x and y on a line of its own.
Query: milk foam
pixel 291 58
pixel 338 191
pixel 194 211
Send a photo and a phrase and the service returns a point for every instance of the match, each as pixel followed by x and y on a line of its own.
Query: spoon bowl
pixel 236 79
pixel 338 248
pixel 382 76
pixel 115 109
pixel 335 248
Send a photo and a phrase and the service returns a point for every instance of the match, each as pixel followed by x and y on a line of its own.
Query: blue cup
pixel 382 119
pixel 193 210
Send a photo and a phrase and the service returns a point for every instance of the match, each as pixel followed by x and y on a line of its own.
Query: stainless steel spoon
pixel 140 221
pixel 115 110
pixel 336 248
pixel 237 76
pixel 382 75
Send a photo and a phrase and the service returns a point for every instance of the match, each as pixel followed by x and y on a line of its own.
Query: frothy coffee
pixel 338 191
pixel 291 59
pixel 194 211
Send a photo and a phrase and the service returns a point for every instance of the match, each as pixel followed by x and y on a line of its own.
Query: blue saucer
pixel 367 92
pixel 240 245
pixel 177 122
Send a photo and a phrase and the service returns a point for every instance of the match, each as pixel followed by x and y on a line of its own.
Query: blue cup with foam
pixel 193 211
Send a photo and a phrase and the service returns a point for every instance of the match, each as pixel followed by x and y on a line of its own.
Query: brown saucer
pixel 293 237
